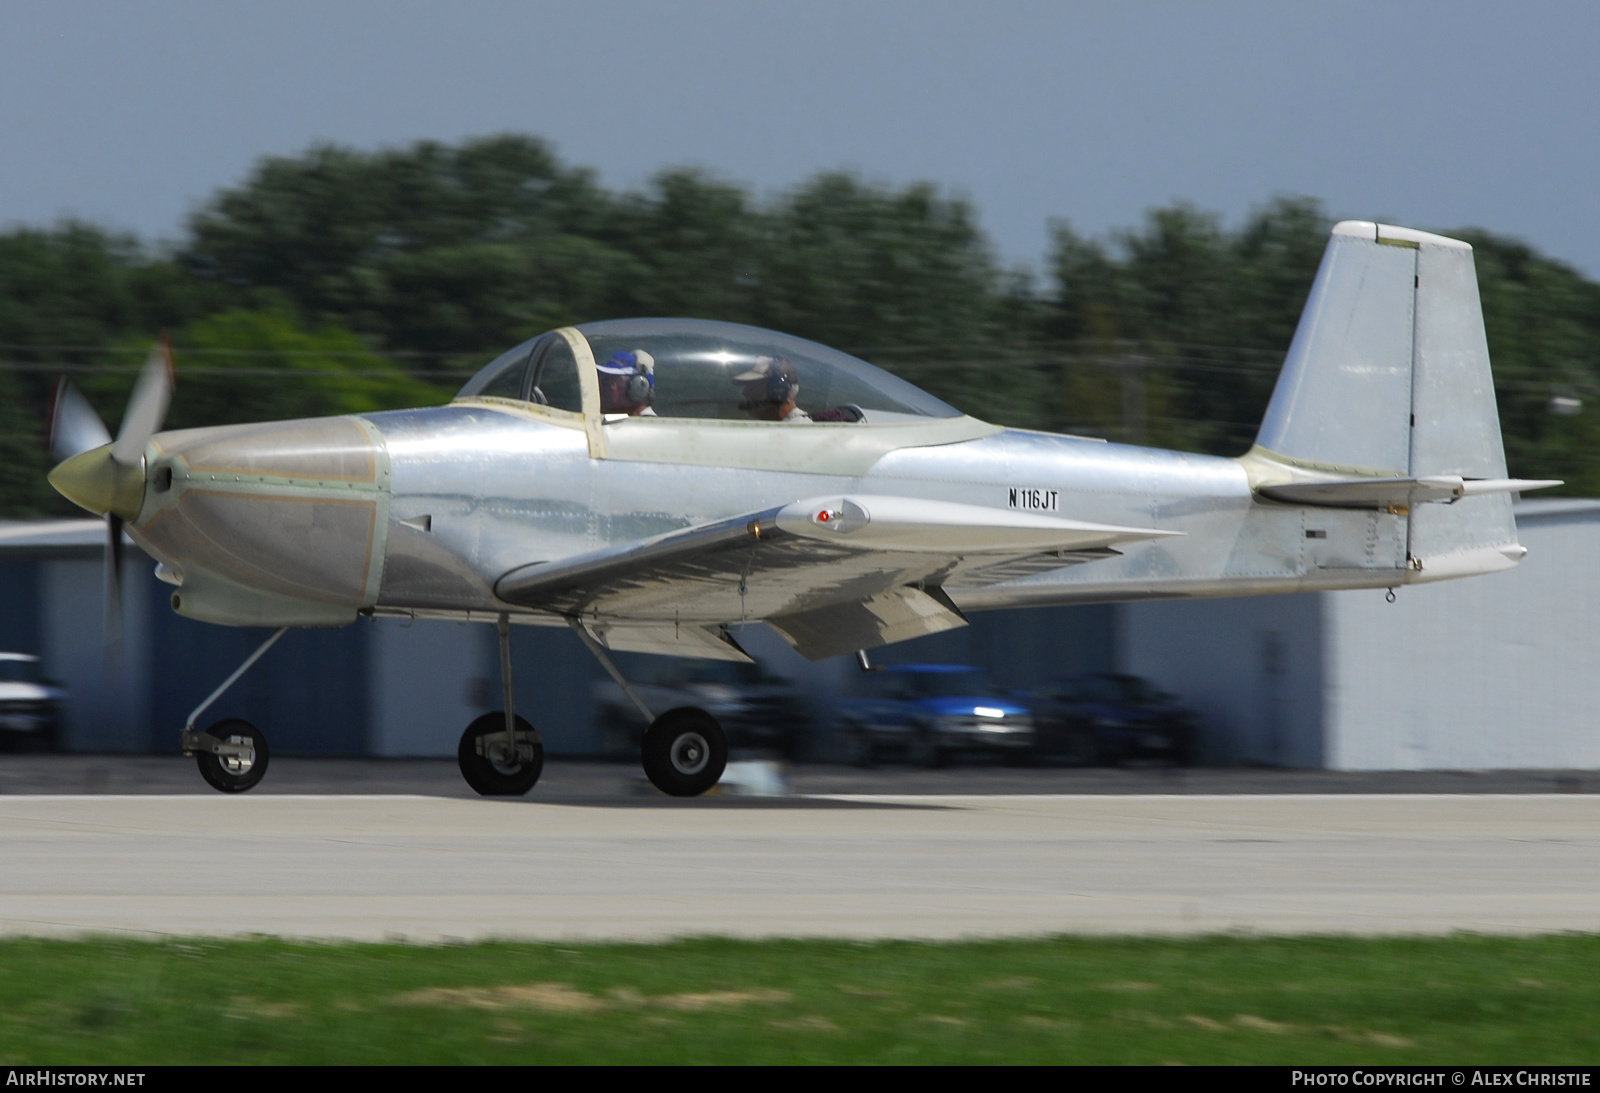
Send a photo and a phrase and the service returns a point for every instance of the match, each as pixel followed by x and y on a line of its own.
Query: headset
pixel 641 387
pixel 780 387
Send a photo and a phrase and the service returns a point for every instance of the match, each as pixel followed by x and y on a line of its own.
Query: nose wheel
pixel 684 752
pixel 240 762
pixel 232 754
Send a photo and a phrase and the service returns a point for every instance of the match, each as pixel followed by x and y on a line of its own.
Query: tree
pixel 869 268
pixel 460 250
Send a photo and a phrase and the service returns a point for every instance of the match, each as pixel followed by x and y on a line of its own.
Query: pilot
pixel 769 390
pixel 628 384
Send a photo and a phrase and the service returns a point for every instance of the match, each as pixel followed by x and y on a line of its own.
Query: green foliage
pixel 238 366
pixel 694 247
pixel 1458 1001
pixel 23 459
pixel 455 250
pixel 1197 316
pixel 468 250
pixel 857 266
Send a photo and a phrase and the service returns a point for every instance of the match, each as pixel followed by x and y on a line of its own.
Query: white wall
pixel 1483 673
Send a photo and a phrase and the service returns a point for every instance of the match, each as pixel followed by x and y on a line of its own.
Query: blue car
pixel 930 713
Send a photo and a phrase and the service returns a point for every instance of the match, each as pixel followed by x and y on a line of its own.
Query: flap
pixel 896 615
pixel 666 639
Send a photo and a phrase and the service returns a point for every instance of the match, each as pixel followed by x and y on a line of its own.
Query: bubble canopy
pixel 711 370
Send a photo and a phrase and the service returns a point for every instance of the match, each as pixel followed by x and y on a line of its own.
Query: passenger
pixel 770 389
pixel 628 384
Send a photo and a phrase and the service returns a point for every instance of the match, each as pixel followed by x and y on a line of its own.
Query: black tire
pixel 489 777
pixel 232 775
pixel 684 752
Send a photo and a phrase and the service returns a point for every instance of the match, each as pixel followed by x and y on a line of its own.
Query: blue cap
pixel 630 363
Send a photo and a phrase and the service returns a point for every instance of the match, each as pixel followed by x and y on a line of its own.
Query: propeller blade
pixel 112 633
pixel 147 406
pixel 74 426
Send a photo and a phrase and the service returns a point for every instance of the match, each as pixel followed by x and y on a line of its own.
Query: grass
pixel 1457 1000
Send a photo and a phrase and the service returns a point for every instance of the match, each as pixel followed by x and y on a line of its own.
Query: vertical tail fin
pixel 1388 378
pixel 1388 373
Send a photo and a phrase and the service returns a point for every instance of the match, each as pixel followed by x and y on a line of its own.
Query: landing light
pixel 988 711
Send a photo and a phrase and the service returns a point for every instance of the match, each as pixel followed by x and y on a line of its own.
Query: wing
pixel 831 574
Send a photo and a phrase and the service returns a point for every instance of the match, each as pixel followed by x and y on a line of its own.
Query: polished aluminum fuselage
pixel 476 493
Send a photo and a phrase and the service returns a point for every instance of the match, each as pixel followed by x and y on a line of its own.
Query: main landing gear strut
pixel 684 751
pixel 500 754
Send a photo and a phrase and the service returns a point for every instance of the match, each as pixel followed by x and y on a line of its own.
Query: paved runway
pixel 432 868
pixel 568 780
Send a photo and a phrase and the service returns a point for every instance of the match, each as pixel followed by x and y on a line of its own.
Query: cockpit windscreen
pixel 701 369
pixel 691 368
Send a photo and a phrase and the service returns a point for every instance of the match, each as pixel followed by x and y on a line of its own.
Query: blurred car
pixel 758 711
pixel 30 705
pixel 929 713
pixel 1105 717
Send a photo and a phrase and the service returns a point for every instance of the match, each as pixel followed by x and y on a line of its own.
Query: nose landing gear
pixel 232 754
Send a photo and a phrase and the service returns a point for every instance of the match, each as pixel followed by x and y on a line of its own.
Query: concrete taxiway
pixel 431 868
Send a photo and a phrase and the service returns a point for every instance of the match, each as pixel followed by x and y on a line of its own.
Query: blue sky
pixel 1435 115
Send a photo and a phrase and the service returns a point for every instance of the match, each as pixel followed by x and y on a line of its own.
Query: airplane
pixel 657 485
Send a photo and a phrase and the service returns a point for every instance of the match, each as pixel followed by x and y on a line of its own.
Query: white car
pixel 30 705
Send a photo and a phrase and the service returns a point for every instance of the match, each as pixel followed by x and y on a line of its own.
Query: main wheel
pixel 495 774
pixel 684 752
pixel 233 774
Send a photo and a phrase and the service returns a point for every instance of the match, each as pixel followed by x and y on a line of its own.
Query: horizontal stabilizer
pixel 1390 493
